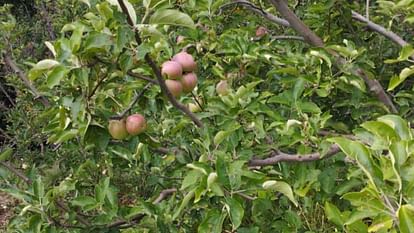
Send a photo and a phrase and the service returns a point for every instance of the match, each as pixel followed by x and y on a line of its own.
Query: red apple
pixel 117 129
pixel 186 61
pixel 189 82
pixel 174 87
pixel 136 124
pixel 222 88
pixel 172 69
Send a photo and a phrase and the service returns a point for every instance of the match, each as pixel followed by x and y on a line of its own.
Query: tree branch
pixel 158 74
pixel 164 194
pixel 250 6
pixel 122 224
pixel 143 77
pixel 16 172
pixel 381 30
pixel 287 37
pixel 9 62
pixel 313 39
pixel 297 24
pixel 277 157
pixel 133 102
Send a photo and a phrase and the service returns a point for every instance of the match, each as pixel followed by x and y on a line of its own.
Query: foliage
pixel 285 96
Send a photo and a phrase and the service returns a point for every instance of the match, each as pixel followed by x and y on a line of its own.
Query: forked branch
pixel 158 74
pixel 277 157
pixel 313 39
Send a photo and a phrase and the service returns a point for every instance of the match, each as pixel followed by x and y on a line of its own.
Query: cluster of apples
pixel 132 125
pixel 180 71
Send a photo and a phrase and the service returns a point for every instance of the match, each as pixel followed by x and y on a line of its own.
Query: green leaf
pixel 323 56
pixel 172 17
pixel 406 218
pixel 298 89
pixel 84 202
pixel 360 153
pixel 45 64
pixel 221 135
pixel 222 170
pixel 86 2
pixel 38 188
pixel 212 222
pixel 99 41
pixel 333 214
pixel 281 187
pixel 184 203
pixel 398 124
pixel 190 179
pixel 397 80
pixel 57 74
pixel 380 129
pixel 6 153
pixel 236 212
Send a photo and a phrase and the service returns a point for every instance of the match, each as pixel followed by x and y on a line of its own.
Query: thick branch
pixel 158 74
pixel 313 39
pixel 309 36
pixel 277 157
pixel 9 62
pixel 381 30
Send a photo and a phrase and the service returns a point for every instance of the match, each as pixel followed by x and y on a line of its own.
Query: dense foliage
pixel 289 128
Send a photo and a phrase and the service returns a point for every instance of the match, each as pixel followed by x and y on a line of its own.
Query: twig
pixel 99 83
pixel 381 30
pixel 16 172
pixel 158 74
pixel 22 76
pixel 164 194
pixel 246 196
pixel 133 102
pixel 196 100
pixel 62 205
pixel 7 95
pixel 277 157
pixel 313 39
pixel 250 6
pixel 283 37
pixel 143 77
pixel 122 224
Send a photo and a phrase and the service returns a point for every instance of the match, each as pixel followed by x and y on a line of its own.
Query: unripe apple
pixel 175 87
pixel 117 129
pixel 189 82
pixel 261 31
pixel 222 88
pixel 194 107
pixel 172 69
pixel 136 124
pixel 186 61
